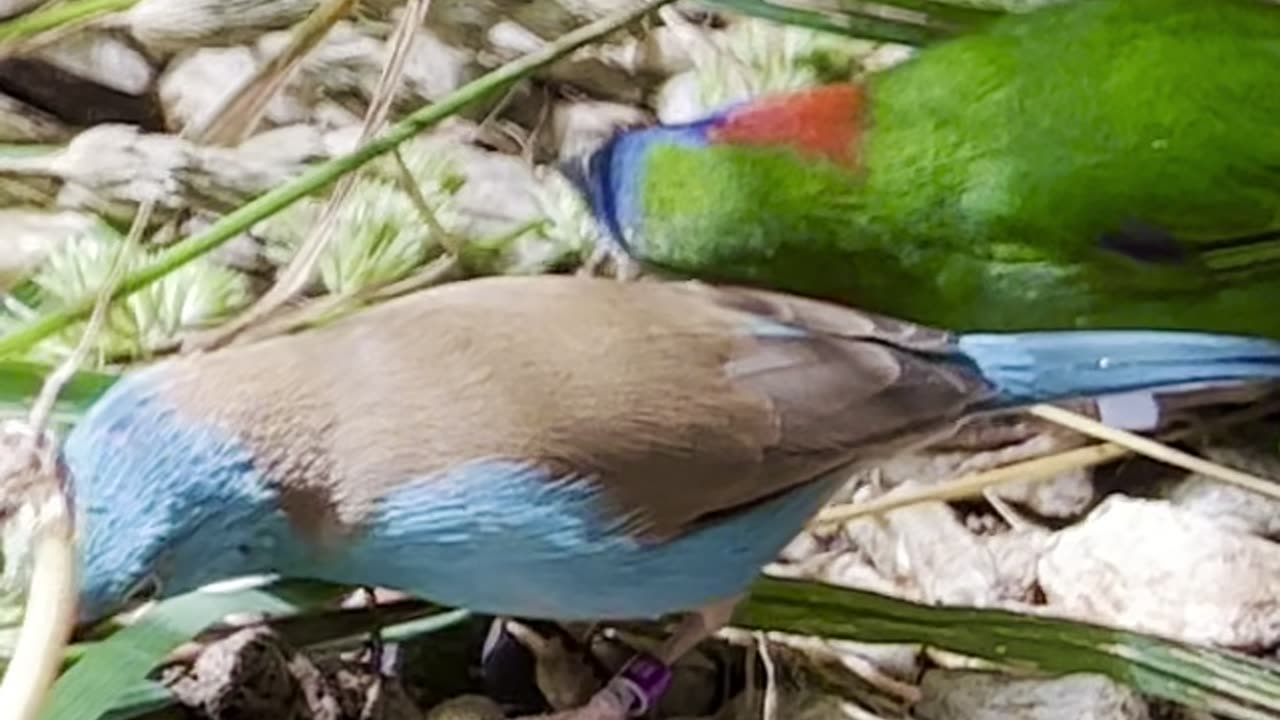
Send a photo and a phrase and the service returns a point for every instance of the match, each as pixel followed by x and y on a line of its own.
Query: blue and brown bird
pixel 553 447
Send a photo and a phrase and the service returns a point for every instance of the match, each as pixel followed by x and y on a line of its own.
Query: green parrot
pixel 1099 163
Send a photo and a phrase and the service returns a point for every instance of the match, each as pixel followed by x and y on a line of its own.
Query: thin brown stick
pixel 49 615
pixel 236 119
pixel 1157 450
pixel 1034 470
pixel 299 270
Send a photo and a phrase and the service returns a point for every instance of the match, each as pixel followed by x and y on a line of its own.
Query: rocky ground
pixel 1132 544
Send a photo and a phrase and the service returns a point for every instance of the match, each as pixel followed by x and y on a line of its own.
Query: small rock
pixel 31 235
pixel 363 695
pixel 679 99
pixel 433 69
pixel 585 69
pixel 1065 495
pixel 463 22
pixel 950 695
pixel 164 27
pixel 579 127
pixel 10 8
pixel 197 83
pixel 1228 505
pixel 492 175
pixel 930 553
pixel 848 569
pixel 1016 554
pixel 102 58
pixel 349 63
pixel 119 164
pixel 927 550
pixel 982 446
pixel 1149 566
pixel 22 123
pixel 248 674
pixel 886 56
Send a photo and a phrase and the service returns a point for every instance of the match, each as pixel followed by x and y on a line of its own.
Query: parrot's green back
pixel 1099 163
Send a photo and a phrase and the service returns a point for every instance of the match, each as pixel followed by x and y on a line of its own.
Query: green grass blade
pixel 20 383
pixel 318 632
pixel 1221 682
pixel 57 16
pixel 110 669
pixel 27 150
pixel 141 700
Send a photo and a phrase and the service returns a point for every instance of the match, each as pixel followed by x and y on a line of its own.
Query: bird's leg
pixel 645 678
pixel 374 645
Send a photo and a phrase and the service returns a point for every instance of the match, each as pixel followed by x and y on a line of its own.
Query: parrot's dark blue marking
pixel 614 195
pixel 1146 243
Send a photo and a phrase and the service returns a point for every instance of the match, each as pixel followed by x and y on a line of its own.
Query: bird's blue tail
pixel 1033 367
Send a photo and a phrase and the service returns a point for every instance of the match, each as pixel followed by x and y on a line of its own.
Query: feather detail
pixel 825 122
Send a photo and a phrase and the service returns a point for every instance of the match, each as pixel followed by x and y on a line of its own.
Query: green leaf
pixel 109 677
pixel 1224 683
pixel 59 16
pixel 108 670
pixel 20 383
pixel 26 150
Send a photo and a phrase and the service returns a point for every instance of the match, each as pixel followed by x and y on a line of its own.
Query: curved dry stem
pixel 38 539
pixel 240 113
pixel 973 484
pixel 1156 450
pixel 294 277
pixel 1037 469
pixel 50 613
pixel 36 518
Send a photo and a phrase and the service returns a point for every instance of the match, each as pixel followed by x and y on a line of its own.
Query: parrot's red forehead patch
pixel 825 121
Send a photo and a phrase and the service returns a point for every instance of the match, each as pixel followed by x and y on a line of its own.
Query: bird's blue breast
pixel 503 538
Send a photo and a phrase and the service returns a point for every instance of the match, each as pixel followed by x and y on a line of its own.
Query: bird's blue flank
pixel 503 538
pixel 1043 366
pixel 152 492
pixel 615 178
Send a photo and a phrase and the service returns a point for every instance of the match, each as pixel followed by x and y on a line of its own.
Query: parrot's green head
pixel 613 177
pixel 655 188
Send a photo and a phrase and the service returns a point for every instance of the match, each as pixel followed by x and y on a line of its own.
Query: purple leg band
pixel 643 681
